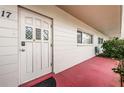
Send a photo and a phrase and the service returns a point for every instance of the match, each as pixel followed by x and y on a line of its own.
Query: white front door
pixel 35 45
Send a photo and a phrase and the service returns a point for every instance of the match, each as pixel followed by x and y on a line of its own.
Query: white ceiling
pixel 104 18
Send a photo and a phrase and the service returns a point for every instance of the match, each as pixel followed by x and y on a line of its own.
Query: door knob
pixel 23 50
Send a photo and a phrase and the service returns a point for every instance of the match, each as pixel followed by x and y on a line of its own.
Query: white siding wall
pixel 66 51
pixel 8 48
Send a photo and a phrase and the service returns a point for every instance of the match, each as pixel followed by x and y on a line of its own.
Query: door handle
pixel 23 50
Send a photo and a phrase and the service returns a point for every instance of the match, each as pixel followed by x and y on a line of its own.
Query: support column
pixel 122 22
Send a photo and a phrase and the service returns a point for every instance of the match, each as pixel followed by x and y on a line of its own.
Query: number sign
pixel 6 14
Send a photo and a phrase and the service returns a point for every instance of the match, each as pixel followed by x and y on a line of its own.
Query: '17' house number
pixel 5 14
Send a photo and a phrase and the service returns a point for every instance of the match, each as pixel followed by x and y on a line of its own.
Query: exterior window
pixel 87 38
pixel 45 34
pixel 28 32
pixel 100 40
pixel 79 37
pixel 84 38
pixel 38 34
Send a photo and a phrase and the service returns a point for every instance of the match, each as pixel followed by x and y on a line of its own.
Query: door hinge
pixel 51 26
pixel 51 64
pixel 51 45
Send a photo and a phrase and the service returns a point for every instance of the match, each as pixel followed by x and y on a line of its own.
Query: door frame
pixel 19 38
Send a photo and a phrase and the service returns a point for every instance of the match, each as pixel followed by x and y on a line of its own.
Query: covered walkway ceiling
pixel 104 18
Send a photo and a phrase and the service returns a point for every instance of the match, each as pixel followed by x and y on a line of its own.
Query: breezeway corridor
pixel 42 41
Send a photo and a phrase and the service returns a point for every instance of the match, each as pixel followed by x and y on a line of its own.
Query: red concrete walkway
pixel 95 72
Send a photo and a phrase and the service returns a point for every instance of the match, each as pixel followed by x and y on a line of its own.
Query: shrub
pixel 114 48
